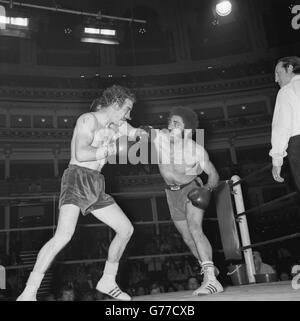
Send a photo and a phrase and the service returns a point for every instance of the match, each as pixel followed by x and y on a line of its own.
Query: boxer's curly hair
pixel 189 116
pixel 111 95
pixel 290 61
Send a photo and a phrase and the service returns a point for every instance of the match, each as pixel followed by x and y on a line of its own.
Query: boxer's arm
pixel 208 167
pixel 130 131
pixel 282 125
pixel 85 131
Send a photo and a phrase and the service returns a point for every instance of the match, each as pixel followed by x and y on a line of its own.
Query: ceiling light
pixel 224 8
pixel 102 41
pixel 92 31
pixel 108 32
pixel 22 22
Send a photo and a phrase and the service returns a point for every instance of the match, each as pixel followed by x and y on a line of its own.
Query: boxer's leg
pixel 194 221
pixel 183 229
pixel 114 217
pixel 67 221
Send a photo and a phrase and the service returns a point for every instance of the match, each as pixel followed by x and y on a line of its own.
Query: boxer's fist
pixel 200 197
pixel 149 131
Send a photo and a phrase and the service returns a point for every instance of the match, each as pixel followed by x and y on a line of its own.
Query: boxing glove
pixel 151 132
pixel 123 145
pixel 200 197
pixel 147 129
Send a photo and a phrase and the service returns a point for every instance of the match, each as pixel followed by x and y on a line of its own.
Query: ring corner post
pixel 2 278
pixel 243 226
pixel 226 221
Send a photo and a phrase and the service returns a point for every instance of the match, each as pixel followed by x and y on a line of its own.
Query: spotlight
pixel 142 30
pixel 100 41
pixel 68 31
pixel 15 23
pixel 106 36
pixel 224 8
pixel 108 32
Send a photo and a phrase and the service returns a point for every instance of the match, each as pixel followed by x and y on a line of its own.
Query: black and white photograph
pixel 149 152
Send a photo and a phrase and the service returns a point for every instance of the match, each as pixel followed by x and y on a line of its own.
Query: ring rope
pixel 251 174
pixel 253 209
pixel 278 239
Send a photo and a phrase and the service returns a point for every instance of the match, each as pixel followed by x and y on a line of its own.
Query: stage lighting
pixel 105 36
pixel 224 8
pixel 14 24
pixel 99 40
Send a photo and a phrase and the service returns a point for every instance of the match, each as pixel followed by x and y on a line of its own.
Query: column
pixel 7 153
pixel 28 52
pixel 56 152
pixel 7 226
pixel 233 152
pixel 155 215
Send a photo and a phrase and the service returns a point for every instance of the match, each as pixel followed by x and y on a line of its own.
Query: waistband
pixel 176 187
pixel 86 169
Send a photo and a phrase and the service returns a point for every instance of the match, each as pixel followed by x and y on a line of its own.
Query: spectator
pixel 171 288
pixel 141 290
pixel 50 297
pixel 66 293
pixel 88 296
pixel 155 288
pixel 99 296
pixel 179 286
pixel 260 267
pixel 284 276
pixel 192 283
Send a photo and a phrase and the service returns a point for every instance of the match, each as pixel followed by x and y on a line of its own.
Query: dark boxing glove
pixel 151 132
pixel 147 129
pixel 200 197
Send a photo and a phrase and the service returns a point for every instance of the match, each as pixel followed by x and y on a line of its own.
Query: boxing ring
pixel 239 244
pixel 276 291
pixel 234 232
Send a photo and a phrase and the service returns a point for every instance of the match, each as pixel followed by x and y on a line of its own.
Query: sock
pixel 208 268
pixel 33 283
pixel 110 271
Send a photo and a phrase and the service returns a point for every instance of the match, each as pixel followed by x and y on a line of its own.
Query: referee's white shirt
pixel 286 119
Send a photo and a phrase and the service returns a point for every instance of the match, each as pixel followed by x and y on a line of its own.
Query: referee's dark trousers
pixel 293 152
